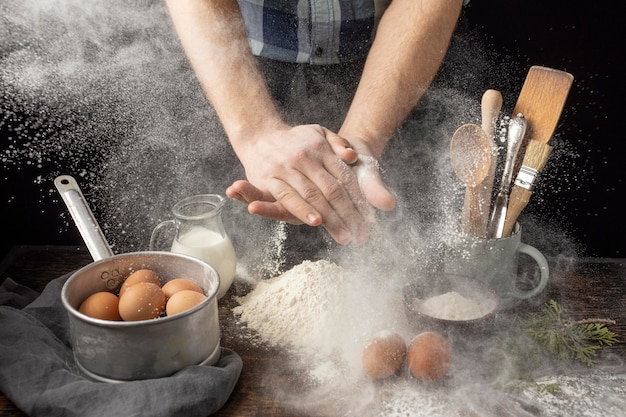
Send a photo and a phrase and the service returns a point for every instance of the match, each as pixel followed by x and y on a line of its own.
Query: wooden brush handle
pixel 518 199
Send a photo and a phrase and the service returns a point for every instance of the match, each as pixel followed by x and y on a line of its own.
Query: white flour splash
pixel 322 314
pixel 103 92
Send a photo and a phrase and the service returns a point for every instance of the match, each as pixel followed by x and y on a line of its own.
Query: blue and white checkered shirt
pixel 311 31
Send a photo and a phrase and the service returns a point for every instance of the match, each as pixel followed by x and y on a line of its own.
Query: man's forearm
pixel 411 42
pixel 213 36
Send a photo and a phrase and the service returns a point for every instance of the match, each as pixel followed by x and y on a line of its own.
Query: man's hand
pixel 360 187
pixel 367 171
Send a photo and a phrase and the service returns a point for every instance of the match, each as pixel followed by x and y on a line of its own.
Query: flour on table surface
pixel 596 394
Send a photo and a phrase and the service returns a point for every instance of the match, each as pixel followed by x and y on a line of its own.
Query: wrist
pixel 364 144
pixel 244 136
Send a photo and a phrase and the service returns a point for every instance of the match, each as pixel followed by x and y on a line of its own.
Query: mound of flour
pixel 297 308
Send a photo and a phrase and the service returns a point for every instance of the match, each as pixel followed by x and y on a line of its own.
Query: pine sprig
pixel 544 339
pixel 566 339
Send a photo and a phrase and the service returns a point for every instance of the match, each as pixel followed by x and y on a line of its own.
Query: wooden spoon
pixel 470 157
pixel 491 104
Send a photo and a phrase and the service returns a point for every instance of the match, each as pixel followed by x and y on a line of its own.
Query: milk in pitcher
pixel 211 247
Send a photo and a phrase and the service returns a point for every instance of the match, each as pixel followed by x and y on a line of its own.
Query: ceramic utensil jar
pixel 495 262
pixel 197 230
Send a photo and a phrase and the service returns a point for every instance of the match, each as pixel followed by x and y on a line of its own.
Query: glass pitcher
pixel 198 231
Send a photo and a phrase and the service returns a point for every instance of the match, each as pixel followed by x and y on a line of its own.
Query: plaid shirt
pixel 311 31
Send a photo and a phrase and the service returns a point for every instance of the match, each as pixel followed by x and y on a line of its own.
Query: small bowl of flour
pixel 450 302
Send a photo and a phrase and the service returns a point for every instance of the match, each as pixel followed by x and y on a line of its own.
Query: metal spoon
pixel 470 157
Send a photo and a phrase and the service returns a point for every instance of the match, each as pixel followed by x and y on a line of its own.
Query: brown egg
pixel 142 301
pixel 383 355
pixel 180 284
pixel 429 356
pixel 141 275
pixel 183 300
pixel 101 305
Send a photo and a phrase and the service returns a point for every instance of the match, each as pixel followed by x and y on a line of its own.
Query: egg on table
pixel 383 355
pixel 429 356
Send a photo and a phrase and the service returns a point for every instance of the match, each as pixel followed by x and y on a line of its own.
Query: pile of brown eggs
pixel 428 356
pixel 142 297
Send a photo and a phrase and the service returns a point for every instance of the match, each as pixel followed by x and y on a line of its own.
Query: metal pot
pixel 113 351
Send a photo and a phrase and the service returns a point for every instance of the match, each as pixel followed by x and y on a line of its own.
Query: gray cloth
pixel 39 374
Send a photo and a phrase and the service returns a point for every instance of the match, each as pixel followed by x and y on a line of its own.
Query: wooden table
pixel 590 287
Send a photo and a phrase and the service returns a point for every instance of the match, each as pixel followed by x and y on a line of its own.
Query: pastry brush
pixel 535 158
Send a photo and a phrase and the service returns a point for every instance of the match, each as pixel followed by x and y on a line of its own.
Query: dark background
pixel 585 39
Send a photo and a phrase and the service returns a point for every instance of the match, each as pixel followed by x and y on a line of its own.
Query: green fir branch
pixel 566 339
pixel 544 336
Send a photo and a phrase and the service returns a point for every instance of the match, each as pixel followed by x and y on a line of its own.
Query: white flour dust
pixel 103 92
pixel 273 260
